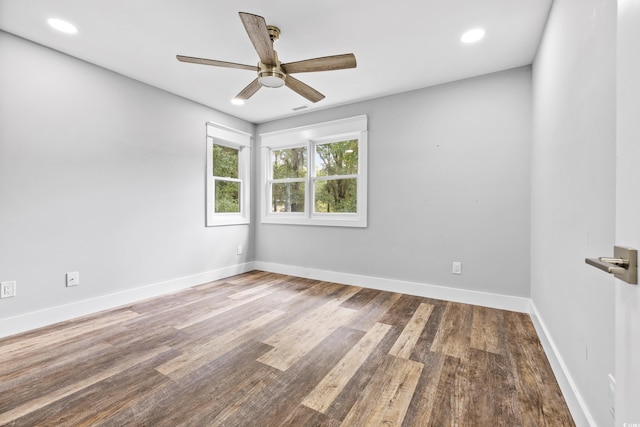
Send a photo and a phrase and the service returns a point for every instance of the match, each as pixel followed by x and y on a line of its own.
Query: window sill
pixel 346 221
pixel 217 222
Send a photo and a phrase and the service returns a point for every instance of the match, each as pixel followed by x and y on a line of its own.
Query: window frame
pixel 310 137
pixel 237 140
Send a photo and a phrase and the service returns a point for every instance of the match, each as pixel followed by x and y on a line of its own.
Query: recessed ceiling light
pixel 63 26
pixel 237 101
pixel 472 36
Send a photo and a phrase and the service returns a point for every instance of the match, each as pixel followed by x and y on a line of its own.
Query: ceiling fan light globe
pixel 271 80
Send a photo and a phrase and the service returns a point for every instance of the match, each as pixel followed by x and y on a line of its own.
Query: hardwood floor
pixel 262 349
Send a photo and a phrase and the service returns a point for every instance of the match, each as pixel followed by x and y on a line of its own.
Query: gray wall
pixel 573 190
pixel 103 175
pixel 448 181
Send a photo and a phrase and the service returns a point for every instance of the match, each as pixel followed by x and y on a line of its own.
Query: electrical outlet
pixel 8 289
pixel 457 267
pixel 239 250
pixel 73 278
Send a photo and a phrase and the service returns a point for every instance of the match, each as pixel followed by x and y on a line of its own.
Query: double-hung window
pixel 316 175
pixel 228 176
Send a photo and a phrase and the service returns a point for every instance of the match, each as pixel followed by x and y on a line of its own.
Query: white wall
pixel 448 181
pixel 103 175
pixel 573 191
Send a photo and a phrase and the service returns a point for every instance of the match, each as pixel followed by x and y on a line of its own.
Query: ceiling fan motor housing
pixel 271 75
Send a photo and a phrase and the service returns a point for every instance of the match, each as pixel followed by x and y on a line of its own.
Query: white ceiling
pixel 399 45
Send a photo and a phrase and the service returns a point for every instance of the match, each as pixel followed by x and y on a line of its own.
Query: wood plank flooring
pixel 263 349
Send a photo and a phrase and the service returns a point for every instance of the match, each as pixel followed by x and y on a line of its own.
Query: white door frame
pixel 627 297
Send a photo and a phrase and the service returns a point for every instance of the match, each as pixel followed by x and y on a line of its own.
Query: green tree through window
pixel 338 162
pixel 289 172
pixel 315 174
pixel 227 185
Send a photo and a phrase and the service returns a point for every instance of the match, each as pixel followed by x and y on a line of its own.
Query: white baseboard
pixel 503 302
pixel 577 406
pixel 37 319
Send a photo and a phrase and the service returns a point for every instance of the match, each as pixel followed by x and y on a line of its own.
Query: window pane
pixel 225 161
pixel 336 195
pixel 227 196
pixel 289 163
pixel 287 197
pixel 337 158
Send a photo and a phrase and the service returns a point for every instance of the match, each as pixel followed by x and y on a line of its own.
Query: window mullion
pixel 311 173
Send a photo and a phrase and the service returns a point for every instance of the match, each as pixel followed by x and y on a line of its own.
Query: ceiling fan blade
pixel 257 30
pixel 248 91
pixel 215 63
pixel 303 89
pixel 326 63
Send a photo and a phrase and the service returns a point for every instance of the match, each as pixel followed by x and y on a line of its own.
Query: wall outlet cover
pixel 8 289
pixel 456 267
pixel 73 278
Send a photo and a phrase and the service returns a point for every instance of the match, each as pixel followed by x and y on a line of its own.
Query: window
pixel 316 175
pixel 288 179
pixel 228 167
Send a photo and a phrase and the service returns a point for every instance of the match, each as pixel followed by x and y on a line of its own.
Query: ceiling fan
pixel 271 72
